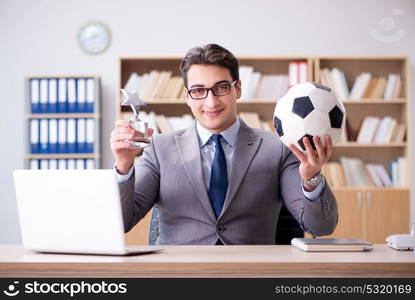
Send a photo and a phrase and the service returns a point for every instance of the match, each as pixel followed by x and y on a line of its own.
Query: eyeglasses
pixel 201 93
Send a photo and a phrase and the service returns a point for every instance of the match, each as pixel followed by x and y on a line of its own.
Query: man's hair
pixel 210 54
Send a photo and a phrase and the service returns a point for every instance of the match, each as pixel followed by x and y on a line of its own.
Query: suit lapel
pixel 189 151
pixel 245 149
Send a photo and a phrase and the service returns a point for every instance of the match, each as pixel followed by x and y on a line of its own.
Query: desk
pixel 212 261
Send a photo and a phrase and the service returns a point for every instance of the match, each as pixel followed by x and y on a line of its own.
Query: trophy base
pixel 136 145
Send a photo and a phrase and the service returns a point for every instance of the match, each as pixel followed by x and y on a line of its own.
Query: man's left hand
pixel 313 160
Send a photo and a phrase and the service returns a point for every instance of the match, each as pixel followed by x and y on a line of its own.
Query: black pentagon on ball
pixel 336 117
pixel 310 138
pixel 302 106
pixel 278 126
pixel 320 86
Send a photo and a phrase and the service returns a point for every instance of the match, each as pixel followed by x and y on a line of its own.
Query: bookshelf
pixel 372 213
pixel 56 100
pixel 352 66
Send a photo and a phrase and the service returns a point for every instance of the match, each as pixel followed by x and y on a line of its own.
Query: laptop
pixel 72 211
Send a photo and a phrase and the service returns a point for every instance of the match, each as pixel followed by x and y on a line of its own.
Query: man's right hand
pixel 123 153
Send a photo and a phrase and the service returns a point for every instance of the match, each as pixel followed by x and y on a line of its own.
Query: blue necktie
pixel 218 177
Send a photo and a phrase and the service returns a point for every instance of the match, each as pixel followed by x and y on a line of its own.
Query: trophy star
pixel 132 98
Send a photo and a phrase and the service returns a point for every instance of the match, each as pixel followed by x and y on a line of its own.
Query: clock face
pixel 94 38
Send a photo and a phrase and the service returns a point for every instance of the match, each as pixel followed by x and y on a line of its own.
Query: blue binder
pixel 44 96
pixel 71 87
pixel 44 136
pixel 34 96
pixel 53 136
pixel 90 95
pixel 53 96
pixel 62 96
pixel 71 136
pixel 34 136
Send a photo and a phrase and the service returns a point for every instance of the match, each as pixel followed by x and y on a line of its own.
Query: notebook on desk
pixel 329 245
pixel 72 211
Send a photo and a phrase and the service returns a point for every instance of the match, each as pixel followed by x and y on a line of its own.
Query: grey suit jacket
pixel 264 173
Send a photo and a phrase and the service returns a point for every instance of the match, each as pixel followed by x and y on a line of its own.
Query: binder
pixel 34 164
pixel 34 136
pixel 53 136
pixel 70 164
pixel 81 130
pixel 62 135
pixel 62 96
pixel 90 164
pixel 80 164
pixel 44 136
pixel 90 95
pixel 34 96
pixel 44 164
pixel 90 135
pixel 71 136
pixel 53 164
pixel 71 86
pixel 62 164
pixel 81 93
pixel 43 96
pixel 53 96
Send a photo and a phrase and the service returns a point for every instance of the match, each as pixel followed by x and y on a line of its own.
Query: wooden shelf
pixel 357 145
pixel 368 189
pixel 63 156
pixel 63 116
pixel 375 101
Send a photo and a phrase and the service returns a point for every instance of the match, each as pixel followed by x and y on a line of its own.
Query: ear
pixel 238 87
pixel 187 97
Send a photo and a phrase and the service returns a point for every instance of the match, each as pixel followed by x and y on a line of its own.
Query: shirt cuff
pixel 123 178
pixel 315 195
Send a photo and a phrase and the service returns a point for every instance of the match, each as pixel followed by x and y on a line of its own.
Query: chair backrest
pixel 287 227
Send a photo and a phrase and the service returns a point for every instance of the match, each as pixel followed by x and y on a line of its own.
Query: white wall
pixel 39 37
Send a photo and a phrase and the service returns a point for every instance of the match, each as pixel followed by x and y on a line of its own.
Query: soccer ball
pixel 307 110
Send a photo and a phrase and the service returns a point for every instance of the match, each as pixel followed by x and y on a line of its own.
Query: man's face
pixel 216 113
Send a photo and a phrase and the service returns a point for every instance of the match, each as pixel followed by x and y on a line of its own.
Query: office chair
pixel 287 228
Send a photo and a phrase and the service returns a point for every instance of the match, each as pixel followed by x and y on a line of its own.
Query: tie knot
pixel 216 138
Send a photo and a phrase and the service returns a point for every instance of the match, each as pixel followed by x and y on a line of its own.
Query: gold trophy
pixel 135 102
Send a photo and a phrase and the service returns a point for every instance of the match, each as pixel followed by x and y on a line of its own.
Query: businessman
pixel 219 181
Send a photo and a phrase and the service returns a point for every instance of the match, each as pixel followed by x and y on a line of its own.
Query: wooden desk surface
pixel 212 261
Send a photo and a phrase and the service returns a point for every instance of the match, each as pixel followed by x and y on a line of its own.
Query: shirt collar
pixel 229 134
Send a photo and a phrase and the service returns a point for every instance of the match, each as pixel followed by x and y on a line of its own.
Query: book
pixel 359 86
pixel 331 245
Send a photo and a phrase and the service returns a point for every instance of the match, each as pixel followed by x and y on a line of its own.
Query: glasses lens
pixel 222 89
pixel 198 93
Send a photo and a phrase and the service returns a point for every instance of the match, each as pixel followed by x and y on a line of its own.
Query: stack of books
pixel 365 86
pixel 352 172
pixel 156 85
pixel 331 245
pixel 381 131
pixel 163 85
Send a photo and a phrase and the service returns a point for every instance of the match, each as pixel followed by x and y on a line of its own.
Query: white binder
pixel 34 136
pixel 53 136
pixel 53 95
pixel 62 133
pixel 71 136
pixel 34 95
pixel 81 130
pixel 62 96
pixel 44 136
pixel 43 96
